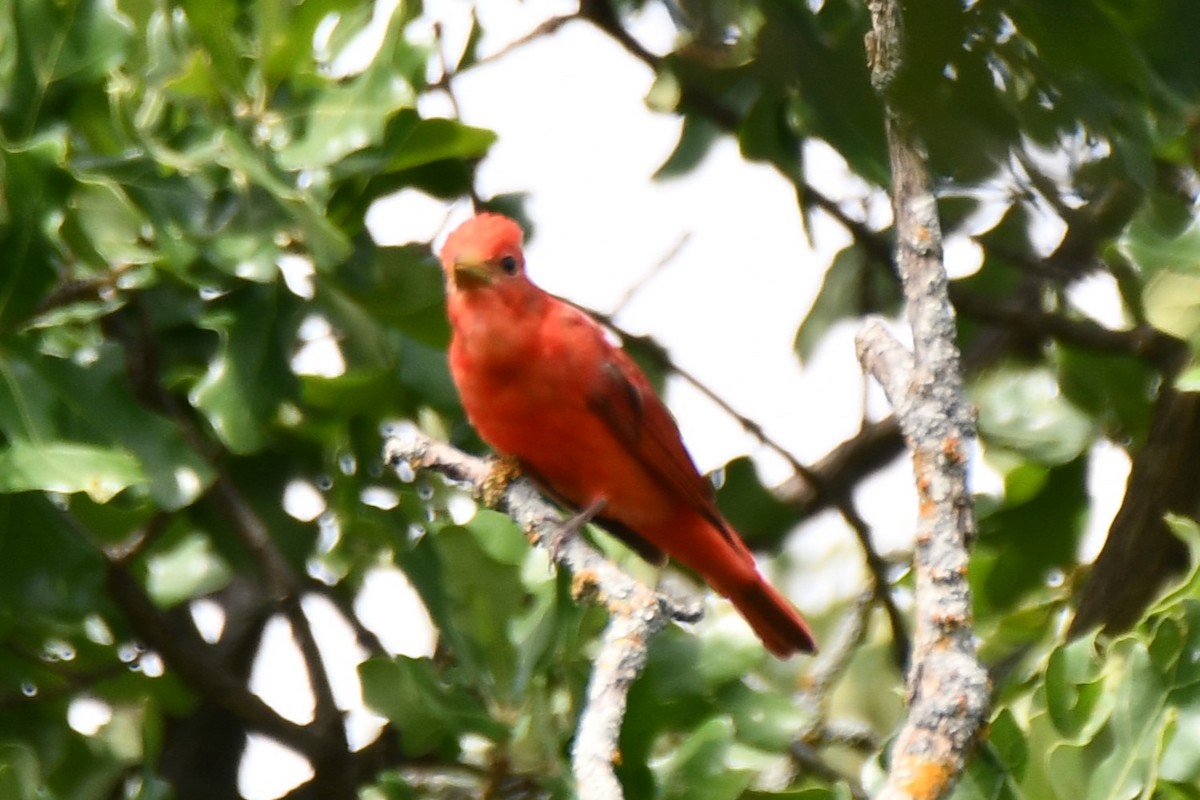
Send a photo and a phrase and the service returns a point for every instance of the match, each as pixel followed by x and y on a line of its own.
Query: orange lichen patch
pixel 503 471
pixel 952 449
pixel 583 583
pixel 925 238
pixel 922 778
pixel 926 507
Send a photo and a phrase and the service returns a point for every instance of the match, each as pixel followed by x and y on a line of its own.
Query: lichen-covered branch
pixel 948 687
pixel 636 612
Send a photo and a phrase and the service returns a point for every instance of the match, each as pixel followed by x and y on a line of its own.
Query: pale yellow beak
pixel 471 275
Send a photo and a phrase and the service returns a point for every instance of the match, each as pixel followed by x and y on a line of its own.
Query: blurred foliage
pixel 183 189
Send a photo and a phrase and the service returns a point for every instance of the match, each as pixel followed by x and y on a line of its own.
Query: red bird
pixel 541 382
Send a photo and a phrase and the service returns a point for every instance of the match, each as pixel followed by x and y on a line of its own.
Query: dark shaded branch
pixel 331 760
pixel 366 637
pixel 282 585
pixel 187 654
pixel 1140 552
pixel 202 747
pixel 1156 348
pixel 874 447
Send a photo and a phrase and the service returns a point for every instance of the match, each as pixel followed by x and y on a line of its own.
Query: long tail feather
pixel 773 618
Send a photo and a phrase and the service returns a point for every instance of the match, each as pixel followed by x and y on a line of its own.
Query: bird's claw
pixel 569 527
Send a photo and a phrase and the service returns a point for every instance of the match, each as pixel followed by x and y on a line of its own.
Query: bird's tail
pixel 773 618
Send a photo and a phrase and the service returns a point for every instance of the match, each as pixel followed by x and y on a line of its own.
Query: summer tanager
pixel 541 382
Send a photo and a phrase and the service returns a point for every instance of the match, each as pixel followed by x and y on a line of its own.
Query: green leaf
pixel 760 719
pixel 20 777
pixel 33 181
pixel 766 135
pixel 854 285
pixel 432 140
pixel 46 401
pixel 1164 237
pixel 110 227
pixel 499 537
pixel 1188 585
pixel 1189 379
pixel 249 376
pixel 1172 302
pixel 1120 763
pixel 699 768
pixel 353 115
pixel 995 773
pixel 307 223
pixel 68 467
pixel 1075 693
pixel 838 792
pixel 696 138
pixel 97 396
pixel 397 286
pixel 535 634
pixel 215 27
pixel 486 596
pixel 1024 543
pixel 1022 409
pixel 286 31
pixel 189 569
pixel 751 507
pixel 65 43
pixel 54 576
pixel 428 713
pixel 1116 391
pixel 390 785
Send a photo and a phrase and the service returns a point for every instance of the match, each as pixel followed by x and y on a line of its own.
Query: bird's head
pixel 484 251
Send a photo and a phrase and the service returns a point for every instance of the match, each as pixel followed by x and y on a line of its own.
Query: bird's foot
pixel 572 526
pixel 503 471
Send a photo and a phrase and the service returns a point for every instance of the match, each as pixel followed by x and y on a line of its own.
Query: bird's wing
pixel 623 398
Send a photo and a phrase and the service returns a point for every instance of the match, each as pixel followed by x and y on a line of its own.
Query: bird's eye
pixel 509 263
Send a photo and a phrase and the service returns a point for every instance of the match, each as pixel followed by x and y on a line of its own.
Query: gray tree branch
pixel 636 612
pixel 948 687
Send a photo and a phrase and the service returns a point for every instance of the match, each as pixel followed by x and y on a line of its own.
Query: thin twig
pixel 830 668
pixel 851 634
pixel 656 268
pixel 544 28
pixel 446 84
